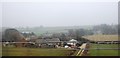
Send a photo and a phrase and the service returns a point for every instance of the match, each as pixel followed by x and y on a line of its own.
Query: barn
pixel 103 39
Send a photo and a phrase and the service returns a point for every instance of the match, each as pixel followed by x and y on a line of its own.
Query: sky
pixel 32 13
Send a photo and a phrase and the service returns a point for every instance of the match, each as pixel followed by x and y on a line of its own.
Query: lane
pixel 83 50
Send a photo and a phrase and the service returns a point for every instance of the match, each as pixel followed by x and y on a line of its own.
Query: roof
pixel 27 32
pixel 40 41
pixel 47 40
pixel 72 40
pixel 53 40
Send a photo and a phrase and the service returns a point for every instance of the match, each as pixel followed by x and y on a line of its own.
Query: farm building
pixel 103 39
pixel 40 41
pixel 48 42
pixel 72 42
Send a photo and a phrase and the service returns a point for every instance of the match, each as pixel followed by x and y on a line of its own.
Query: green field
pixel 94 52
pixel 12 51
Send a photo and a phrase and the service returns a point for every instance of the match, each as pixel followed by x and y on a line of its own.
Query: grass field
pixel 94 52
pixel 104 52
pixel 12 51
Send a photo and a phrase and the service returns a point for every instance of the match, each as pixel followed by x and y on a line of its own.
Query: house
pixel 54 41
pixel 40 41
pixel 72 43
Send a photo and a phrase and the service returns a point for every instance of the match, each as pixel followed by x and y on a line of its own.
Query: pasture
pixel 12 51
pixel 95 49
pixel 97 52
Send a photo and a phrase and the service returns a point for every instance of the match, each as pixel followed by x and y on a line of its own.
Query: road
pixel 83 50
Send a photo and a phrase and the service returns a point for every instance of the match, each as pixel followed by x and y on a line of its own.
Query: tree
pixel 12 35
pixel 79 34
pixel 63 37
pixel 106 29
pixel 71 32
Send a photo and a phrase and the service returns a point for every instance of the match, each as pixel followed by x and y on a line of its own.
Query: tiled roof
pixel 47 40
pixel 40 41
pixel 53 40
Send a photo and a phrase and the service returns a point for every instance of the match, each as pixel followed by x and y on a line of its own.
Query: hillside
pixel 41 30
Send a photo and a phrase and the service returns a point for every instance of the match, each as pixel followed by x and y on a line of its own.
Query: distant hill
pixel 41 30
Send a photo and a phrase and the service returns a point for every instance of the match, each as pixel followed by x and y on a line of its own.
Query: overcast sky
pixel 33 13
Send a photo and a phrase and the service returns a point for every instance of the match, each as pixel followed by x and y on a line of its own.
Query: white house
pixel 72 42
